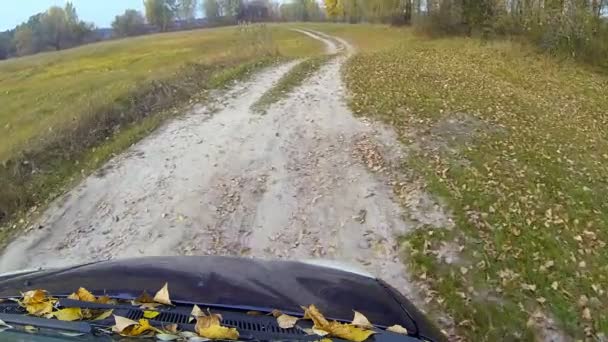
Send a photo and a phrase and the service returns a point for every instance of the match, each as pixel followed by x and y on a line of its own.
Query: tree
pixel 231 8
pixel 160 12
pixel 186 9
pixel 24 41
pixel 130 23
pixel 55 27
pixel 211 9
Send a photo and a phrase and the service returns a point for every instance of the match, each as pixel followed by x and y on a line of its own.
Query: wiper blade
pixel 79 327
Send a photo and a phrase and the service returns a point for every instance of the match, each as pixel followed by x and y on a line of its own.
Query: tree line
pixel 57 28
pixel 578 28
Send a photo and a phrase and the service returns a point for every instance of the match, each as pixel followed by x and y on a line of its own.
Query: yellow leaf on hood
pixel 317 317
pixel 39 309
pixel 325 340
pixel 68 314
pixel 85 295
pixel 127 327
pixel 286 321
pixel 121 323
pixel 276 313
pixel 361 321
pixel 397 329
pixel 34 297
pixel 203 322
pixel 196 311
pixel 151 314
pixel 103 315
pixel 348 332
pixel 218 332
pixel 149 306
pixel 105 300
pixel 162 296
pixel 73 296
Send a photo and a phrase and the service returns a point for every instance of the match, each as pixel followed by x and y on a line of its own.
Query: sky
pixel 101 13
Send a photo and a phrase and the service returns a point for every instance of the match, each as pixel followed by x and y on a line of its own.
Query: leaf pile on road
pixel 527 185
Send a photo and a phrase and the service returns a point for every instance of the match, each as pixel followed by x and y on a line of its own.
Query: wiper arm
pixel 79 327
pixel 72 303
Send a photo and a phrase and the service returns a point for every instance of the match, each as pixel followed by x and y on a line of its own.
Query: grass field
pixel 59 108
pixel 516 144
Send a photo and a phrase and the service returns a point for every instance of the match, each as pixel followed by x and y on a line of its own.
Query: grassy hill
pixel 67 111
pixel 516 144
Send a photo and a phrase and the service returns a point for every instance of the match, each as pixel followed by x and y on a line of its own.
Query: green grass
pixel 527 185
pixel 60 108
pixel 291 80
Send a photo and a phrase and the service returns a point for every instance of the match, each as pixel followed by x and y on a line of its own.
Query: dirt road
pixel 306 180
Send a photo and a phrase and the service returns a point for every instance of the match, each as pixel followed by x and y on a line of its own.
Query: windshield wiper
pixel 79 327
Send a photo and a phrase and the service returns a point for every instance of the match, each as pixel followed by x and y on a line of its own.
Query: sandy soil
pixel 307 180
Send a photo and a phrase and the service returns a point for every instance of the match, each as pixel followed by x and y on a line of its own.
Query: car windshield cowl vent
pixel 242 322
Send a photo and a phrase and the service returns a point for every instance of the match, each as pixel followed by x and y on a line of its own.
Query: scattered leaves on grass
pixel 162 296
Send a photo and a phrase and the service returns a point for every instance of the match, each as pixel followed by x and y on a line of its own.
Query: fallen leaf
pixel 587 314
pixel 166 337
pixel 127 327
pixel 276 313
pixel 218 332
pixel 162 296
pixel 105 300
pixel 313 314
pixel 361 321
pixel 39 309
pixel 397 329
pixel 85 295
pixel 151 314
pixel 286 321
pixel 103 315
pixel 203 322
pixel 348 332
pixel 197 312
pixel 121 323
pixel 34 297
pixel 74 296
pixel 325 340
pixel 68 314
pixel 254 313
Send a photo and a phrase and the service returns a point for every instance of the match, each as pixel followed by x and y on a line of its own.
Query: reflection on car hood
pixel 224 281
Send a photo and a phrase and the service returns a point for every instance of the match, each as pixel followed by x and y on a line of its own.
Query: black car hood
pixel 247 284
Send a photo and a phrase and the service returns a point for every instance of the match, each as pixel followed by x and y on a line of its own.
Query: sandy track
pixel 307 180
